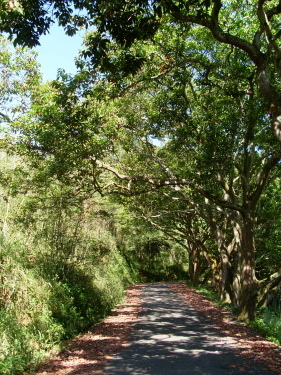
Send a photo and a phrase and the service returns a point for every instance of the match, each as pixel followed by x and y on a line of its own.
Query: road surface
pixel 171 338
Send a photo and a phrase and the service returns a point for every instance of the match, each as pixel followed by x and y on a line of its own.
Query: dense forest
pixel 158 160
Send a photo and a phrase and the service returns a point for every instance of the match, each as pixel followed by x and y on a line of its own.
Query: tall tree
pixel 250 27
pixel 218 125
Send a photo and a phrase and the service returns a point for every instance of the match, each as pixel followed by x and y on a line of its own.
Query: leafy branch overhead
pixel 252 27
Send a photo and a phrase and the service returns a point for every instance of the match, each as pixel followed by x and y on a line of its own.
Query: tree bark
pixel 269 290
pixel 249 285
pixel 195 264
pixel 226 279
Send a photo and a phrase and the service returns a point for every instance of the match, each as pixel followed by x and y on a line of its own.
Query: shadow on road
pixel 170 338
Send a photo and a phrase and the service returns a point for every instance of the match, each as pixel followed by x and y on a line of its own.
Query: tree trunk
pixel 249 286
pixel 195 263
pixel 236 259
pixel 269 289
pixel 226 279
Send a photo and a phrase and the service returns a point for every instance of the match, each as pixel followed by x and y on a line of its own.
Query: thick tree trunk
pixel 249 286
pixel 221 271
pixel 236 259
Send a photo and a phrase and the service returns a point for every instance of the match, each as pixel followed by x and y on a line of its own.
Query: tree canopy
pixel 158 160
pixel 251 27
pixel 175 101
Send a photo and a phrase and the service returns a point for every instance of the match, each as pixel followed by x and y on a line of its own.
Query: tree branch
pixel 159 183
pixel 5 117
pixel 141 178
pixel 264 20
pixel 263 178
pixel 271 285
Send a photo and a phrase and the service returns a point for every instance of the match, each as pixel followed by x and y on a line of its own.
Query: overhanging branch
pixel 156 183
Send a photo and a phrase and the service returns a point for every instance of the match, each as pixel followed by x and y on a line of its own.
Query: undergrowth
pixel 269 324
pixel 65 262
pixel 47 297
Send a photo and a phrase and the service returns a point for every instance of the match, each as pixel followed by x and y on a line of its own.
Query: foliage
pixel 158 259
pixel 269 325
pixel 268 231
pixel 39 310
pixel 214 163
pixel 218 152
pixel 64 262
pixel 252 28
pixel 184 74
pixel 19 74
pixel 27 326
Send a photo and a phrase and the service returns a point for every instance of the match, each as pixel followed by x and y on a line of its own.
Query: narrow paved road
pixel 170 338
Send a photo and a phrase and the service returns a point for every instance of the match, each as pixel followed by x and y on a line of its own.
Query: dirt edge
pixel 88 352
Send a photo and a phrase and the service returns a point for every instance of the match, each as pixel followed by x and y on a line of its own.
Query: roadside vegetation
pixel 65 263
pixel 268 321
pixel 61 272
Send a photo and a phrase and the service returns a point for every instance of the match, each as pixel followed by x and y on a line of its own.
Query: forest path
pixel 166 329
pixel 172 338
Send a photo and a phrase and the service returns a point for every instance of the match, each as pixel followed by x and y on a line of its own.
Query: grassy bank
pixel 40 309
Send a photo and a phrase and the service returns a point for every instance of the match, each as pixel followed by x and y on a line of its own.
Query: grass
pixel 210 293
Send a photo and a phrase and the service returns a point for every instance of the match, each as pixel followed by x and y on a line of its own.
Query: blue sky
pixel 57 51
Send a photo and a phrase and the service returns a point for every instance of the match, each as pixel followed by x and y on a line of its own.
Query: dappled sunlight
pixel 171 338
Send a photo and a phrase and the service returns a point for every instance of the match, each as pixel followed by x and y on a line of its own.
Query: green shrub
pixel 159 259
pixel 269 324
pixel 15 351
pixel 61 271
pixel 27 328
pixel 273 321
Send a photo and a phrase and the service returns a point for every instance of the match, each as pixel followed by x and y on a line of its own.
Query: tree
pixel 229 142
pixel 19 75
pixel 227 24
pixel 267 243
